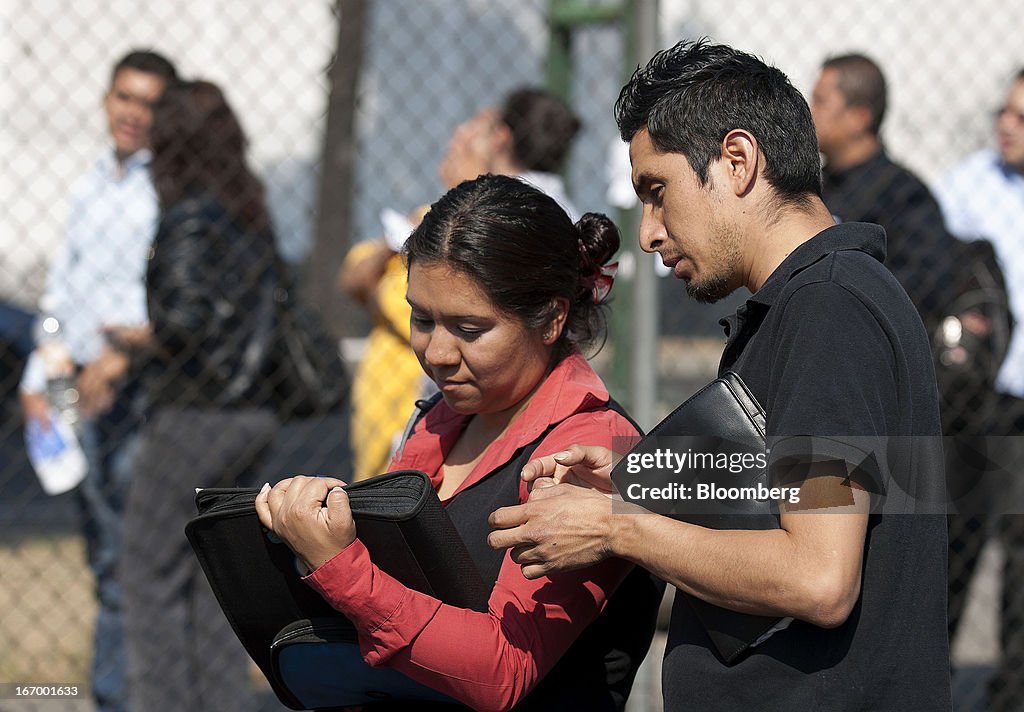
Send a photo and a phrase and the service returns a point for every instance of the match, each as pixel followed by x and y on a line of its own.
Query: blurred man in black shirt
pixel 860 182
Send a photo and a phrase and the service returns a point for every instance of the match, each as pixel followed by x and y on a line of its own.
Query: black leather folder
pixel 308 651
pixel 723 418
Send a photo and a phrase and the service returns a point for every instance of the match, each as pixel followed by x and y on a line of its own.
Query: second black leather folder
pixel 723 419
pixel 307 650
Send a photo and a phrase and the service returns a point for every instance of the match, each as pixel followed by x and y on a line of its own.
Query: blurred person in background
pixel 210 291
pixel 528 136
pixel 504 342
pixel 861 183
pixel 96 284
pixel 983 199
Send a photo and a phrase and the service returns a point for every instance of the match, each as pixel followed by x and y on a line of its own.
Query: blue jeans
pixel 109 442
pixel 15 346
pixel 16 329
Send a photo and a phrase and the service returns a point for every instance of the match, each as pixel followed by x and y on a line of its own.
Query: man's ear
pixel 860 117
pixel 741 160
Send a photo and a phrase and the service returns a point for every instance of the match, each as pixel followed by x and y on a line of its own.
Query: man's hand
pixel 311 515
pixel 582 465
pixel 98 380
pixel 130 338
pixel 34 406
pixel 560 528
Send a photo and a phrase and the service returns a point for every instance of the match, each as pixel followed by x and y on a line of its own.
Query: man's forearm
pixel 769 573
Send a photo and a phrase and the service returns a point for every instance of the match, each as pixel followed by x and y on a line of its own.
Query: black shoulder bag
pixel 306 368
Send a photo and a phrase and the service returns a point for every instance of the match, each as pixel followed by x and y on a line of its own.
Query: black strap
pixel 422 407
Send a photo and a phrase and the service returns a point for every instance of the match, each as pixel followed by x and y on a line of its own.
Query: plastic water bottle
pixel 54 451
pixel 61 390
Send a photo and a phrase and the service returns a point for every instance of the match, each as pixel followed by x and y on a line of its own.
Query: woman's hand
pixel 311 515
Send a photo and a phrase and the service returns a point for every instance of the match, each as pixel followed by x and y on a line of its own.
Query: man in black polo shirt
pixel 725 162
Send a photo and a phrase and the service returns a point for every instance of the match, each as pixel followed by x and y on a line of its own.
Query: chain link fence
pixel 351 110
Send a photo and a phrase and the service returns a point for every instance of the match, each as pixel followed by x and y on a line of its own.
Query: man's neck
pixel 133 160
pixel 121 163
pixel 791 228
pixel 853 153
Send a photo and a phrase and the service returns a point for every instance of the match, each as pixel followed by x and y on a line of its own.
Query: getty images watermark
pixel 715 481
pixel 686 462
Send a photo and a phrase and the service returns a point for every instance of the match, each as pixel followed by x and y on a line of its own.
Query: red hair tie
pixel 603 281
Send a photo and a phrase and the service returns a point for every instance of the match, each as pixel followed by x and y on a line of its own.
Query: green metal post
pixel 564 17
pixel 559 63
pixel 643 383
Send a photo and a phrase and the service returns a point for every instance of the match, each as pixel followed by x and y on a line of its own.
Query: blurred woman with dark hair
pixel 199 153
pixel 506 293
pixel 210 288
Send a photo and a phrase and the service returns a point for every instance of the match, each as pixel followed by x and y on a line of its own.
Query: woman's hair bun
pixel 599 240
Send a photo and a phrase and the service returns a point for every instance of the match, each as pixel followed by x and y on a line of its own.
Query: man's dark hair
pixel 542 128
pixel 691 96
pixel 862 84
pixel 149 62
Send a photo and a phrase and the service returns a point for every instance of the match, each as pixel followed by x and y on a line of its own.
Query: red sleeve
pixel 528 626
pixel 605 428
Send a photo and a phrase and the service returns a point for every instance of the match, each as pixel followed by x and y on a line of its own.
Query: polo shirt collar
pixel 865 237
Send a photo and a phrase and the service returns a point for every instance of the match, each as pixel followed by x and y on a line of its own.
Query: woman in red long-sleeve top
pixel 505 291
